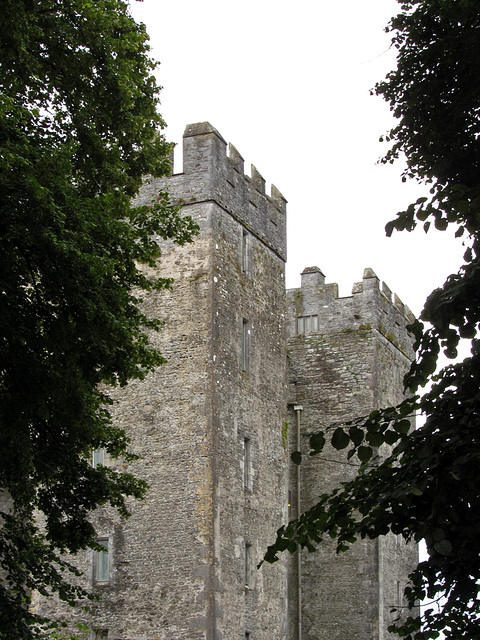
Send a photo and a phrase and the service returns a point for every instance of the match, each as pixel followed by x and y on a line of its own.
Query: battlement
pixel 211 175
pixel 372 305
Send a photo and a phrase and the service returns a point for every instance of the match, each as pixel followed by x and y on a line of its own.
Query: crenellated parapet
pixel 372 306
pixel 210 174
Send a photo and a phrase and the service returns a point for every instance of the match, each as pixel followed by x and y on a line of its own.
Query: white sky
pixel 288 85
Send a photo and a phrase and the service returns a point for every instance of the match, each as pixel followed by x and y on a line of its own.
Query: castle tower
pixel 213 431
pixel 347 357
pixel 207 425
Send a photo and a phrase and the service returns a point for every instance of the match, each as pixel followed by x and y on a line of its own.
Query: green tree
pixel 426 488
pixel 79 128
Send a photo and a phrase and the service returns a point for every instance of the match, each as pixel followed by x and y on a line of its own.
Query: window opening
pixel 98 458
pixel 245 345
pixel 399 594
pixel 245 244
pixel 248 563
pixel 307 324
pixel 247 464
pixel 102 563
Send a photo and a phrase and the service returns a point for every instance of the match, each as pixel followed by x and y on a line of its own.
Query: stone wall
pixel 249 405
pixel 346 360
pixel 213 431
pixel 178 564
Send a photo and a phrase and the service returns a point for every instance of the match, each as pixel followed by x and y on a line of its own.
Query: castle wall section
pixel 210 427
pixel 249 413
pixel 248 380
pixel 183 565
pixel 347 356
pixel 161 560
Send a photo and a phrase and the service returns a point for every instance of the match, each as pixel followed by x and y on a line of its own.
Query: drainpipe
pixel 298 410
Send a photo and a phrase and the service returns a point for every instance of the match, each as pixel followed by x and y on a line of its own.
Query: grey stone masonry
pixel 207 425
pixel 347 356
pixel 213 429
pixel 210 175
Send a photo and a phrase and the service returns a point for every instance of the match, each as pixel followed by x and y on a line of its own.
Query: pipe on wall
pixel 298 410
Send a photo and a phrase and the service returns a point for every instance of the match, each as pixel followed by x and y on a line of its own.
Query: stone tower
pixel 347 357
pixel 214 434
pixel 207 425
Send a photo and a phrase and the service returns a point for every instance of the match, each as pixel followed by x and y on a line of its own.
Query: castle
pixel 252 371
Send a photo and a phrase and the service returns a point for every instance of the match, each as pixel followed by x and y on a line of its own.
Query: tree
pixel 426 486
pixel 79 128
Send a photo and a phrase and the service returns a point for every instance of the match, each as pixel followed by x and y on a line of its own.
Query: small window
pixel 246 333
pixel 307 324
pixel 98 458
pixel 300 325
pixel 245 243
pixel 248 565
pixel 247 464
pixel 101 563
pixel 399 595
pixel 101 634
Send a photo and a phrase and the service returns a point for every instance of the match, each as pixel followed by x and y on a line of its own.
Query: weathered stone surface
pixel 210 428
pixel 352 364
pixel 178 564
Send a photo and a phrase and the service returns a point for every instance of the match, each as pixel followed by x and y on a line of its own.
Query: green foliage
pixel 424 485
pixel 285 430
pixel 78 130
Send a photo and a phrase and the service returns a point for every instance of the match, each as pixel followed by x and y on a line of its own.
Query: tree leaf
pixel 443 547
pixel 375 439
pixel 296 457
pixel 402 426
pixel 356 435
pixel 364 453
pixel 340 440
pixel 317 442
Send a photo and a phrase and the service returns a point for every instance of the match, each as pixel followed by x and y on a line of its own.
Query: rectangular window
pixel 247 464
pixel 101 634
pixel 248 565
pixel 245 244
pixel 300 325
pixel 311 323
pixel 98 458
pixel 245 345
pixel 101 563
pixel 307 324
pixel 399 595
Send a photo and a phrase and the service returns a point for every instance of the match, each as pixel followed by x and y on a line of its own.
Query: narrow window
pixel 248 565
pixel 98 458
pixel 248 635
pixel 399 595
pixel 245 345
pixel 101 563
pixel 300 325
pixel 307 324
pixel 101 634
pixel 247 464
pixel 245 243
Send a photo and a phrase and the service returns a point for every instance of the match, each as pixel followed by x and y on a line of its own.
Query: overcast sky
pixel 288 84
